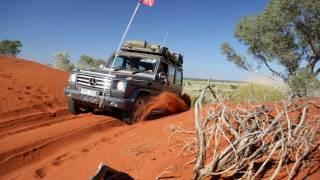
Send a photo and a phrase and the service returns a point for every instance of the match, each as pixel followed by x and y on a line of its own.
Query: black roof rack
pixel 143 46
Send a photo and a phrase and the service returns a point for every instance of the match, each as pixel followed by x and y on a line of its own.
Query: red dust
pixel 167 103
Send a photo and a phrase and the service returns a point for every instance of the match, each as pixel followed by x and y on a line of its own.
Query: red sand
pixel 167 102
pixel 40 139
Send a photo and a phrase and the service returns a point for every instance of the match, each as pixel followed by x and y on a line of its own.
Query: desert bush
pixel 233 87
pixel 304 83
pixel 84 62
pixel 252 93
pixel 61 60
pixel 88 62
pixel 207 98
pixel 10 48
pixel 225 89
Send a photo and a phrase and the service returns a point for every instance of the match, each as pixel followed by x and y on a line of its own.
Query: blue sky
pixel 94 27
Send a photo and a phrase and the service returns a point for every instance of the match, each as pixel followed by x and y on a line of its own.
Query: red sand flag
pixel 147 2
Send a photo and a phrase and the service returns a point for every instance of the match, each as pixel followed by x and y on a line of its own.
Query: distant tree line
pixel 62 60
pixel 10 47
pixel 212 80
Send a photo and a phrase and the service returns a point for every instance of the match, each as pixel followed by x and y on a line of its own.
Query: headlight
pixel 73 78
pixel 121 86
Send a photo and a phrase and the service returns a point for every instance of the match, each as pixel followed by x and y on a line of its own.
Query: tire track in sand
pixel 35 144
pixel 36 120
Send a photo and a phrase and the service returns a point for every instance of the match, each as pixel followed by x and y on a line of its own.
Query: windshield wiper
pixel 118 68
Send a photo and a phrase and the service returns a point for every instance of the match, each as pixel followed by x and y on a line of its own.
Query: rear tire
pixel 73 107
pixel 186 98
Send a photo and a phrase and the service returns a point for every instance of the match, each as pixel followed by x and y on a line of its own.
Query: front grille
pixel 93 81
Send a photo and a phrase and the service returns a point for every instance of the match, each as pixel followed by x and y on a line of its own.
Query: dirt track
pixel 40 139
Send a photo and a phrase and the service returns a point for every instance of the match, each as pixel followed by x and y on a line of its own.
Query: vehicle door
pixel 175 80
pixel 162 78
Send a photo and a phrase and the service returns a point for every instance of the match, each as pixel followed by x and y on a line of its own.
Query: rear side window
pixel 179 77
pixel 171 74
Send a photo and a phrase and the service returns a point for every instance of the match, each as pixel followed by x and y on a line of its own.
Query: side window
pixel 163 67
pixel 171 74
pixel 179 77
pixel 147 65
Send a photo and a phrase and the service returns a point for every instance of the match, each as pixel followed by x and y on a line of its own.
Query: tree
pixel 286 32
pixel 11 48
pixel 98 62
pixel 61 60
pixel 84 62
pixel 88 62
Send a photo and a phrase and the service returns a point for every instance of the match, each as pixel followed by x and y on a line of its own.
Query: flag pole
pixel 118 49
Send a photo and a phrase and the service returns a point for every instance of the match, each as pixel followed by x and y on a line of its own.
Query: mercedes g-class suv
pixel 139 71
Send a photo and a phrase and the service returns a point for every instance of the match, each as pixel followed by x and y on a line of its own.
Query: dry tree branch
pixel 242 141
pixel 200 133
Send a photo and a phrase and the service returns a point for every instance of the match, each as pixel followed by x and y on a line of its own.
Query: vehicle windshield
pixel 133 64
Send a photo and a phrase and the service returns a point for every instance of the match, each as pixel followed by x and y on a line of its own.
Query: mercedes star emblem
pixel 92 82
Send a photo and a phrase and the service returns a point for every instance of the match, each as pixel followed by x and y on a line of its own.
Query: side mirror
pixel 101 66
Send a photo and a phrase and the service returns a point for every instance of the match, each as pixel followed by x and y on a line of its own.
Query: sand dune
pixel 40 139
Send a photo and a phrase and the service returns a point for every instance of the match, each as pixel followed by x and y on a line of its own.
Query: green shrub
pixel 61 60
pixel 252 93
pixel 88 62
pixel 10 48
pixel 208 97
pixel 233 87
pixel 304 83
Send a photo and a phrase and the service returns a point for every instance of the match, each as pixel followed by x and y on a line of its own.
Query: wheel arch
pixel 137 93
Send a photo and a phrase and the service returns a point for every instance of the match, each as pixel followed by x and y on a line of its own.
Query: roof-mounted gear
pixel 143 46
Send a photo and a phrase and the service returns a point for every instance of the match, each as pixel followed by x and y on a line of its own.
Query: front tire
pixel 73 107
pixel 126 117
pixel 136 111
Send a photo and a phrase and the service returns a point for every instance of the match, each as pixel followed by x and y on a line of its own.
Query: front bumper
pixel 94 101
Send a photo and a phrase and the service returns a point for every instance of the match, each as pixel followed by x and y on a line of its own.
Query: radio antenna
pixel 165 39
